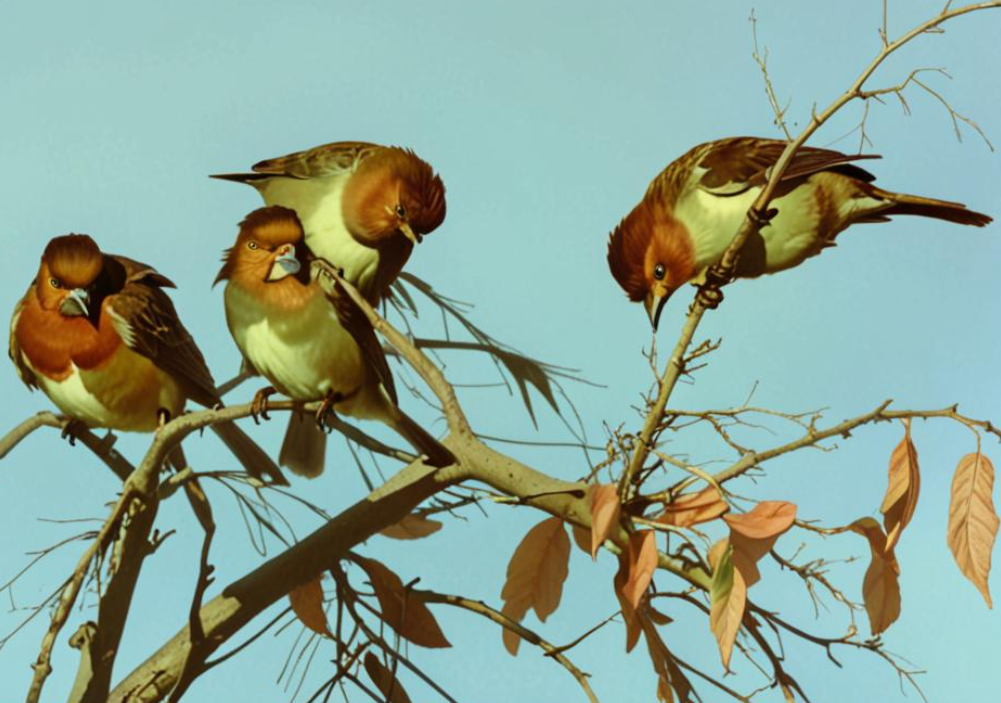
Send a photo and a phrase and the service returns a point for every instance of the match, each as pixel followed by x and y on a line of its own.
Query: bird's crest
pixel 74 259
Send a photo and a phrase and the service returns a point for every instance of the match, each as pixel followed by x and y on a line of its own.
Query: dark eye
pixel 252 244
pixel 55 283
pixel 658 272
pixel 401 211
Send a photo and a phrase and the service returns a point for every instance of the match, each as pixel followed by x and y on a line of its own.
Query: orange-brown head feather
pixel 70 262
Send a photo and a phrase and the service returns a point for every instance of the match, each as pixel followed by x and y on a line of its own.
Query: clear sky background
pixel 546 121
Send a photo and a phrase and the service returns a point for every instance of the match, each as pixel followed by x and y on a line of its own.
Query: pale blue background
pixel 546 121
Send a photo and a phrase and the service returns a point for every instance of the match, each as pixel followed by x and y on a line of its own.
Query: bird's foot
pixel 710 297
pixel 259 406
pixel 761 217
pixel 163 416
pixel 70 429
pixel 327 408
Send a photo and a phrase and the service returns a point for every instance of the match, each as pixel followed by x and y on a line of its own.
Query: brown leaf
pixel 694 508
pixel 670 679
pixel 881 588
pixel 402 609
pixel 664 693
pixel 728 596
pixel 412 526
pixel 582 538
pixel 629 615
pixel 658 617
pixel 642 564
pixel 307 604
pixel 973 521
pixel 384 680
pixel 605 507
pixel 754 534
pixel 716 552
pixel 516 611
pixel 902 489
pixel 538 568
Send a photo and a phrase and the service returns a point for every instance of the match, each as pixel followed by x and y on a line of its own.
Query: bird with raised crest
pixel 311 344
pixel 362 206
pixel 97 333
pixel 693 209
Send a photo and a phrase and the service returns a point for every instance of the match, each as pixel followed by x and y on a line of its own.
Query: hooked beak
pixel 285 265
pixel 414 237
pixel 76 303
pixel 654 305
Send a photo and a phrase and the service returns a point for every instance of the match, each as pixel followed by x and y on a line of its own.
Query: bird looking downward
pixel 362 206
pixel 693 209
pixel 311 345
pixel 99 336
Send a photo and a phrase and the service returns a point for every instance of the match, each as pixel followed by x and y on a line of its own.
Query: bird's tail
pixel 254 459
pixel 304 447
pixel 904 204
pixel 420 439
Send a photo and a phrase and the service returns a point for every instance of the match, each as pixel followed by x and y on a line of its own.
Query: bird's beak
pixel 285 265
pixel 654 305
pixel 76 303
pixel 409 233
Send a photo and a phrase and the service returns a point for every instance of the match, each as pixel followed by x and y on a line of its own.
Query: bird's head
pixel 269 247
pixel 651 255
pixel 68 271
pixel 393 194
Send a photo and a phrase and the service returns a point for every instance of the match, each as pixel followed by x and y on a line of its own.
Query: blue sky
pixel 546 120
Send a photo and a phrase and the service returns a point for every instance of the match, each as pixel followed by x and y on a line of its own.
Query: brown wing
pixel 328 159
pixel 734 165
pixel 14 349
pixel 148 324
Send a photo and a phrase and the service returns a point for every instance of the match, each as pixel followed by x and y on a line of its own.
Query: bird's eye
pixel 401 211
pixel 54 282
pixel 658 272
pixel 252 244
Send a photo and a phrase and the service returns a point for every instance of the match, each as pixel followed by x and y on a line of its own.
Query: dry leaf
pixel 642 564
pixel 881 588
pixel 754 534
pixel 694 508
pixel 307 604
pixel 664 693
pixel 902 489
pixel 658 617
pixel 538 568
pixel 516 611
pixel 412 526
pixel 671 680
pixel 716 551
pixel 728 596
pixel 582 538
pixel 402 609
pixel 973 521
pixel 384 680
pixel 629 615
pixel 605 508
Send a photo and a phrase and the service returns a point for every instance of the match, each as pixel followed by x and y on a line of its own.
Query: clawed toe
pixel 327 408
pixel 259 406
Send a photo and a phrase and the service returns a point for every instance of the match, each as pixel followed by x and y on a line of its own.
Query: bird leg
pixel 162 418
pixel 327 407
pixel 259 406
pixel 69 430
pixel 710 295
pixel 761 218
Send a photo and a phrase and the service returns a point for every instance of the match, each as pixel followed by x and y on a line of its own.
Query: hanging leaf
pixel 629 615
pixel 516 611
pixel 694 508
pixel 402 609
pixel 538 568
pixel 605 509
pixel 973 521
pixel 754 534
pixel 881 587
pixel 384 680
pixel 671 680
pixel 412 526
pixel 642 564
pixel 716 552
pixel 902 489
pixel 307 604
pixel 728 596
pixel 582 538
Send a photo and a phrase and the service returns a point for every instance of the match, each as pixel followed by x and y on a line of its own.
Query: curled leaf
pixel 605 508
pixel 402 609
pixel 881 587
pixel 307 604
pixel 902 489
pixel 973 521
pixel 754 534
pixel 642 564
pixel 694 508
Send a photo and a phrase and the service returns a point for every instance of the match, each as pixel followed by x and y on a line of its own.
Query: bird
pixel 362 206
pixel 309 343
pixel 692 210
pixel 100 337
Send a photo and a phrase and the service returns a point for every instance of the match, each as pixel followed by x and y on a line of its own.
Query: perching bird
pixel 693 209
pixel 311 346
pixel 99 336
pixel 362 206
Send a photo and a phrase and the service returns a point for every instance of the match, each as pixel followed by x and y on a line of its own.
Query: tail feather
pixel 904 204
pixel 254 459
pixel 304 448
pixel 437 454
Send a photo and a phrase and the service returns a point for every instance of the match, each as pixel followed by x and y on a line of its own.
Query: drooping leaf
pixel 716 552
pixel 753 535
pixel 671 681
pixel 516 611
pixel 383 678
pixel 605 509
pixel 307 604
pixel 694 508
pixel 728 596
pixel 582 538
pixel 642 564
pixel 538 568
pixel 402 609
pixel 629 614
pixel 902 489
pixel 412 526
pixel 881 587
pixel 973 521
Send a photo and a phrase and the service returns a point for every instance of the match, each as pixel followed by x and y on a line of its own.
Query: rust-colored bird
pixel 99 336
pixel 692 210
pixel 309 344
pixel 362 206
